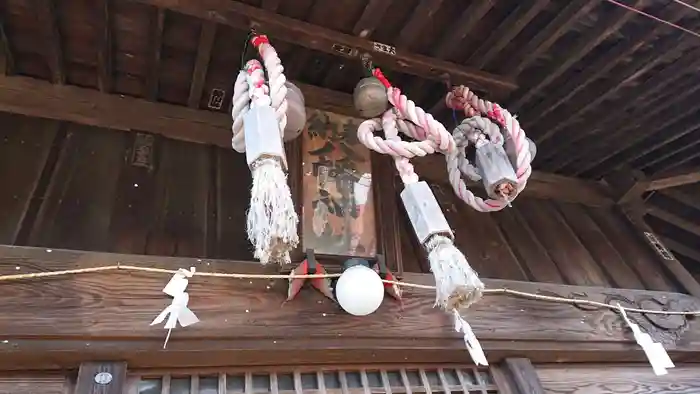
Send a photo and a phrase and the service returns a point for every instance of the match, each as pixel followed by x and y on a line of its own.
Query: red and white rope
pixel 461 98
pixel 273 93
pixel 432 137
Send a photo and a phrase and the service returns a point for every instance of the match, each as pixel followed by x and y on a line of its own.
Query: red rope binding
pixel 257 41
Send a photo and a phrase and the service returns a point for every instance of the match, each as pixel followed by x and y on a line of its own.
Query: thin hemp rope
pixel 486 292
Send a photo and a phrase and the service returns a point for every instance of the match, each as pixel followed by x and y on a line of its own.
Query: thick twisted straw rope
pixel 461 98
pixel 432 137
pixel 499 291
pixel 276 91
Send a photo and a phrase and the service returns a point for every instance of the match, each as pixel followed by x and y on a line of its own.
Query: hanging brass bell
pixel 296 112
pixel 370 98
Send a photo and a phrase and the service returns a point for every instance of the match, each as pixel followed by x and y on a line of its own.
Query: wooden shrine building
pixel 115 149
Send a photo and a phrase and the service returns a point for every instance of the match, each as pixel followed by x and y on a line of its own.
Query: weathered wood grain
pixel 628 379
pixel 59 321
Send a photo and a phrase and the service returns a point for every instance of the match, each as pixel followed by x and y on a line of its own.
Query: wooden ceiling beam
pixel 157 25
pixel 37 98
pixel 461 28
pixel 604 120
pixel 243 16
pixel 691 145
pixel 48 19
pixel 371 18
pixel 673 219
pixel 601 67
pixel 608 25
pixel 206 44
pixel 420 16
pixel 105 66
pixel 546 37
pixel 680 162
pixel 595 166
pixel 682 198
pixel 677 247
pixel 506 32
pixel 673 179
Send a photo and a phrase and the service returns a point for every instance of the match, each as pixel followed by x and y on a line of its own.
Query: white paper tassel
pixel 456 284
pixel 177 311
pixel 655 352
pixel 470 341
pixel 272 221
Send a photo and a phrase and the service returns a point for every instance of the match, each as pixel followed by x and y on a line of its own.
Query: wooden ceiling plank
pixel 673 179
pixel 105 77
pixel 629 139
pixel 420 16
pixel 655 84
pixel 605 63
pixel 669 153
pixel 682 197
pixel 461 28
pixel 687 251
pixel 371 17
pixel 322 39
pixel 199 76
pixel 641 152
pixel 546 37
pixel 673 219
pixel 7 62
pixel 48 18
pixel 506 32
pixel 155 51
pixel 608 25
pixel 680 162
pixel 591 101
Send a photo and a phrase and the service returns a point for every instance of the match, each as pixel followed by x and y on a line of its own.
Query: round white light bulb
pixel 359 290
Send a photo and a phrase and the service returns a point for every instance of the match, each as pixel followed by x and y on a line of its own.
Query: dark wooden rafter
pixel 461 28
pixel 105 66
pixel 608 25
pixel 638 133
pixel 207 36
pixel 593 100
pixel 243 16
pixel 677 247
pixel 689 144
pixel 616 119
pixel 371 18
pixel 682 197
pixel 157 25
pixel 601 67
pixel 48 20
pixel 628 186
pixel 507 31
pixel 546 37
pixel 675 220
pixel 420 16
pixel 631 184
pixel 673 179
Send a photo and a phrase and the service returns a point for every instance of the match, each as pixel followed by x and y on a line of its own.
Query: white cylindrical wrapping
pixel 424 211
pixel 262 135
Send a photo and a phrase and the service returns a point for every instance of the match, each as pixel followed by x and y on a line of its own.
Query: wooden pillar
pixel 101 378
pixel 386 207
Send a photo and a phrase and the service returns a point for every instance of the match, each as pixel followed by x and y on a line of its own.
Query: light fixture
pixel 359 290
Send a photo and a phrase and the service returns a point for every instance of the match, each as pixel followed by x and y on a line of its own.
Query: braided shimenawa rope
pixel 461 98
pixel 271 220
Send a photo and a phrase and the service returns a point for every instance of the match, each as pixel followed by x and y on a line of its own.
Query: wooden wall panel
pixel 546 241
pixel 24 145
pixel 81 187
pixel 629 379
